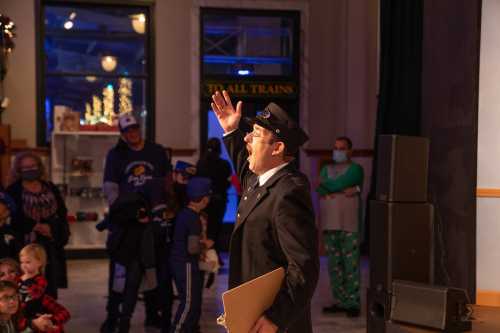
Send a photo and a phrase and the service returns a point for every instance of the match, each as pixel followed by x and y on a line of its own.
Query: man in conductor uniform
pixel 275 224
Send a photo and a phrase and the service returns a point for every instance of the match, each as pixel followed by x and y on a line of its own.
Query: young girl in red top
pixel 32 283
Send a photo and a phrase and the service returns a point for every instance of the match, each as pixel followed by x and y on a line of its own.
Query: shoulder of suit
pixel 231 135
pixel 294 179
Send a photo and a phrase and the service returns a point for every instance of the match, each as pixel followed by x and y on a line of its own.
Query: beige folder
pixel 244 304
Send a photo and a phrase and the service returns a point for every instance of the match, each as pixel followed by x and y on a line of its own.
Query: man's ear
pixel 279 148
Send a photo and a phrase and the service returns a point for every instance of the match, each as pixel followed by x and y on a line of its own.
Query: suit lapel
pixel 248 204
pixel 251 199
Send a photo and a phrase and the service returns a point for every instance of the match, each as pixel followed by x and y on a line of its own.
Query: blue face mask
pixel 339 156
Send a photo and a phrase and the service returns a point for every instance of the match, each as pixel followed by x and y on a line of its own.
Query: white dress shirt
pixel 269 173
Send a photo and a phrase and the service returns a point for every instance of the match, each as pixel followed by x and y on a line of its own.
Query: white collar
pixel 269 173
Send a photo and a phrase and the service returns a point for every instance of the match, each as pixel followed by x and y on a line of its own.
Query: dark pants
pixel 53 268
pixel 187 280
pixel 215 211
pixel 114 298
pixel 134 273
pixel 164 291
pixel 128 298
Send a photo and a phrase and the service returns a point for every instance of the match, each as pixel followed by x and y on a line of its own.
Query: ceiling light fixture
pixel 243 69
pixel 68 24
pixel 138 23
pixel 109 63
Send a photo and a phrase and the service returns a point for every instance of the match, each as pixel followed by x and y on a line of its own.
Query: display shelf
pixel 83 174
pixel 87 133
pixel 85 236
pixel 79 197
pixel 84 247
pixel 91 149
pixel 77 174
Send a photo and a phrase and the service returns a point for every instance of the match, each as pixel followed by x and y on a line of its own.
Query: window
pixel 249 43
pixel 95 61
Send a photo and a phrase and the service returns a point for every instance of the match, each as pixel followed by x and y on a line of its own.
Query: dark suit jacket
pixel 275 227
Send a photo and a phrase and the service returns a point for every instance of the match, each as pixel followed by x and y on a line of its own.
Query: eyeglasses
pixel 254 134
pixel 7 298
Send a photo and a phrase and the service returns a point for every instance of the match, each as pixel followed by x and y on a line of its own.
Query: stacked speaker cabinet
pixel 401 223
pixel 402 168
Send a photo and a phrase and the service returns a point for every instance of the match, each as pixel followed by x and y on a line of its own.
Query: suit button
pixel 238 215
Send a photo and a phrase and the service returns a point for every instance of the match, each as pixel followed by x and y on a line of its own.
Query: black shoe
pixel 108 326
pixel 352 313
pixel 333 309
pixel 124 326
pixel 153 321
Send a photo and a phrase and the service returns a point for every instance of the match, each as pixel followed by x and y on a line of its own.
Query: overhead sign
pixel 252 89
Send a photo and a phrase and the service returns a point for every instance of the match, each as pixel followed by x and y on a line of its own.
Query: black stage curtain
pixel 400 67
pixel 400 93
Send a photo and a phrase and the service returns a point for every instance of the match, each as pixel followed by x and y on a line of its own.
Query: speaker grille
pixel 419 305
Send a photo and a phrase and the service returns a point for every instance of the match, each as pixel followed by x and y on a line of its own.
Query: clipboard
pixel 245 304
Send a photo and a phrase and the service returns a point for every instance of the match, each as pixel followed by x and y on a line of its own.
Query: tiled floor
pixel 86 301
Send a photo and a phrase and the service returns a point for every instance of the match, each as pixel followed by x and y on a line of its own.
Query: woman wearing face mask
pixel 340 213
pixel 40 216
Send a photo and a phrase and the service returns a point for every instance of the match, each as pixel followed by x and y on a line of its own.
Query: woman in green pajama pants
pixel 340 211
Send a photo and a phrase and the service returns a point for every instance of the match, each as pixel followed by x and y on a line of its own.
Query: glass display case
pixel 77 168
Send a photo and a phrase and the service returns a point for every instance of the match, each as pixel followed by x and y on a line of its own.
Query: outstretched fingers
pixel 227 99
pixel 216 109
pixel 219 100
pixel 238 107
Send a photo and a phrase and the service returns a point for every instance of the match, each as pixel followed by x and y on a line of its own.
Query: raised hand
pixel 228 116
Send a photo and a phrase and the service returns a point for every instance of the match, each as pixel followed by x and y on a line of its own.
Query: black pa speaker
pixel 441 308
pixel 401 243
pixel 402 168
pixel 401 247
